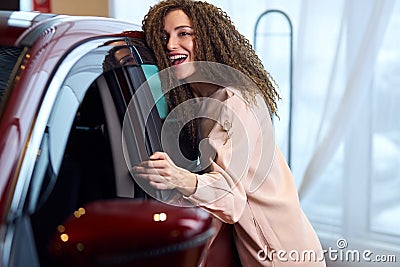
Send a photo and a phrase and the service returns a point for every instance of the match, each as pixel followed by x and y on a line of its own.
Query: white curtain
pixel 361 29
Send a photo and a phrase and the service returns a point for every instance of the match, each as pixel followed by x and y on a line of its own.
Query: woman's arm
pixel 222 189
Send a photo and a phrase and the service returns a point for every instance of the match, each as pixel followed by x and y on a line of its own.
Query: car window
pixel 79 166
pixel 151 73
pixel 60 123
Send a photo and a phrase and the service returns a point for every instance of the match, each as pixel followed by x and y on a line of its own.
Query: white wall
pixel 25 5
pixel 243 13
pixel 131 10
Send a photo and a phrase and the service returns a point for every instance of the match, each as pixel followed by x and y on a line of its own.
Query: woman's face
pixel 179 36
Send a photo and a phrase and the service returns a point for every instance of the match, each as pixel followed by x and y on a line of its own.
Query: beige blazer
pixel 249 184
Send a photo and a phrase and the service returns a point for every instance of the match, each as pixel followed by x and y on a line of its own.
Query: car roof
pixel 24 28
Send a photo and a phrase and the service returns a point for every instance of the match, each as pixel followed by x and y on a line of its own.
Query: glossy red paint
pixel 131 233
pixel 39 62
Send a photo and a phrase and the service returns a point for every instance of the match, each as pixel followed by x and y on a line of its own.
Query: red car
pixel 67 197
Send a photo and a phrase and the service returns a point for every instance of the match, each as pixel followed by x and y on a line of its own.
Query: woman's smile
pixel 179 37
pixel 177 59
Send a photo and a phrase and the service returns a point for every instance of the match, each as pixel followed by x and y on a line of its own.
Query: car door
pixel 76 153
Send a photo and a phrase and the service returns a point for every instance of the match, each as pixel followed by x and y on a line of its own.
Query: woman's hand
pixel 162 173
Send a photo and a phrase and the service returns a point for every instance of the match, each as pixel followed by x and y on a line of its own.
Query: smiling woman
pixel 242 179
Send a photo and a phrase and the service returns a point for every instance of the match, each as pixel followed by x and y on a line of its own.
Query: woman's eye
pixel 184 34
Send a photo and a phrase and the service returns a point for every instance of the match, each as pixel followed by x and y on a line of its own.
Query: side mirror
pixel 127 232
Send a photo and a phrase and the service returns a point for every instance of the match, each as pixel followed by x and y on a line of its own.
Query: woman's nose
pixel 172 43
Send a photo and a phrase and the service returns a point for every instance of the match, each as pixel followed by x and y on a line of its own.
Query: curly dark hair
pixel 220 42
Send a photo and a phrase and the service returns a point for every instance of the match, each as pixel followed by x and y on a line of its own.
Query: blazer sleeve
pixel 228 151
